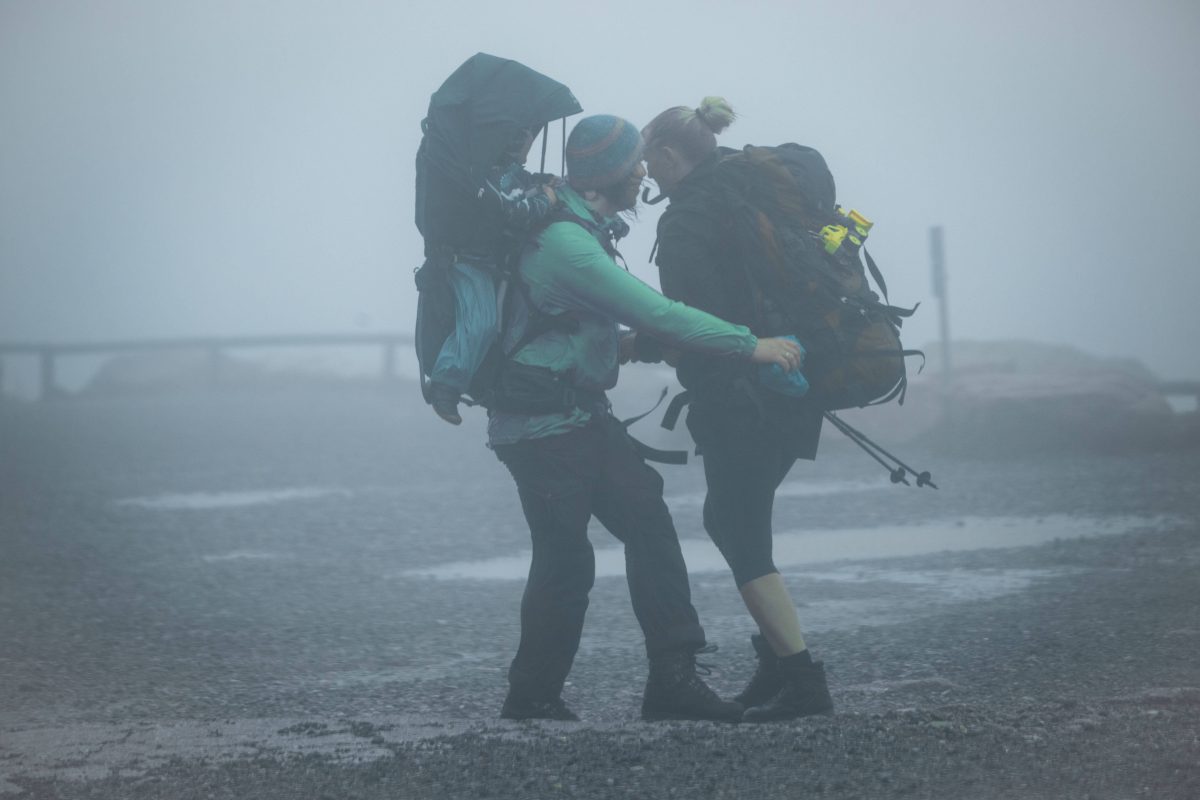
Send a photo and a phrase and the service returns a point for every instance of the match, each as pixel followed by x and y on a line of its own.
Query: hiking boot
pixel 768 675
pixel 517 707
pixel 804 692
pixel 445 402
pixel 675 691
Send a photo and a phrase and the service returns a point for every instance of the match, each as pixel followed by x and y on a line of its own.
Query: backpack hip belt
pixel 528 389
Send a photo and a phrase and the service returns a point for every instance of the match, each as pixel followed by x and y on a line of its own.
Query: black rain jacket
pixel 698 264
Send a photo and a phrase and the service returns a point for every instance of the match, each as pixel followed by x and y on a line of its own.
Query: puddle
pixel 202 501
pixel 794 489
pixel 794 548
pixel 952 585
pixel 802 548
pixel 243 555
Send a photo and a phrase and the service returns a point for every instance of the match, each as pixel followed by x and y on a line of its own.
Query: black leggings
pixel 747 454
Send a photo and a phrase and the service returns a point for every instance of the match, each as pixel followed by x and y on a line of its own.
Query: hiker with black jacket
pixel 749 436
pixel 551 425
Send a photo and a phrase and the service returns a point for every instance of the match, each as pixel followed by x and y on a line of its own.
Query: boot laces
pixel 701 667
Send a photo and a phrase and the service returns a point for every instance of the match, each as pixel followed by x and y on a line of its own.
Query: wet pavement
pixel 315 594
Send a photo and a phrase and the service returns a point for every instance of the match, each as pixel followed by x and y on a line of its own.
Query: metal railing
pixel 48 353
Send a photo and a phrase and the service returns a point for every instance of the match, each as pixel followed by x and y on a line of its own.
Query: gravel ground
pixel 166 633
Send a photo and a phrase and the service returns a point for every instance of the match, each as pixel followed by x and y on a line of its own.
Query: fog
pixel 243 167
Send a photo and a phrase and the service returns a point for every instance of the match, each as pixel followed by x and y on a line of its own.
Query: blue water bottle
pixel 773 376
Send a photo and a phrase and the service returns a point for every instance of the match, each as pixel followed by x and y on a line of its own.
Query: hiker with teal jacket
pixel 749 434
pixel 551 425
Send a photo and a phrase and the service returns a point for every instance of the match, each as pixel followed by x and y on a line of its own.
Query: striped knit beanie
pixel 602 150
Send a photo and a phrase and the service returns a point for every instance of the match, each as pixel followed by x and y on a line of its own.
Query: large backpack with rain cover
pixel 472 118
pixel 804 261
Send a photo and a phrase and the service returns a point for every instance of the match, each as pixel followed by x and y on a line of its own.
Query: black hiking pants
pixel 563 481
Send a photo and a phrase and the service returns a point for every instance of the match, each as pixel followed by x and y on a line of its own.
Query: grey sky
pixel 240 166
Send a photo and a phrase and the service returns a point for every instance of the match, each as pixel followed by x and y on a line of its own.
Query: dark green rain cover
pixel 472 118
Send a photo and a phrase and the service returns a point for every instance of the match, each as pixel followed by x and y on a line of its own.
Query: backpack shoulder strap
pixel 541 322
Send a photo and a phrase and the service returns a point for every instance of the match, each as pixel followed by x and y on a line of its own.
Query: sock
pixel 803 658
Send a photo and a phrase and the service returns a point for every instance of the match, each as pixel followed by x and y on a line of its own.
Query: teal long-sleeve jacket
pixel 568 270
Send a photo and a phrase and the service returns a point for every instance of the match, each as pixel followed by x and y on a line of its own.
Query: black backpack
pixel 804 261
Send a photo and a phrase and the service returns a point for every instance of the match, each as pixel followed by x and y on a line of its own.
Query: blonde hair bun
pixel 715 113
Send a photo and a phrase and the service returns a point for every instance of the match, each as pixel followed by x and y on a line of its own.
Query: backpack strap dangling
pixel 648 453
pixel 675 408
pixel 878 276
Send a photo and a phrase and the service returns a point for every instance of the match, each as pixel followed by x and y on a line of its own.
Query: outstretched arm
pixel 586 278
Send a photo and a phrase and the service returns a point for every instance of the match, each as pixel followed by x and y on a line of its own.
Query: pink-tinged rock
pixel 1014 397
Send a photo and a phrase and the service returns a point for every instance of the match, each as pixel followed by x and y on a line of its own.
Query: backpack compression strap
pixel 647 452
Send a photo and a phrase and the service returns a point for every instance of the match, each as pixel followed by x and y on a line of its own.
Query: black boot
pixel 804 692
pixel 518 707
pixel 675 691
pixel 768 675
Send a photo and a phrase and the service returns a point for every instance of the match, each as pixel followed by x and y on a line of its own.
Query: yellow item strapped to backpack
pixel 834 235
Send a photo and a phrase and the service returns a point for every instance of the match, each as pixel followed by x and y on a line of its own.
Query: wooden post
pixel 937 257
pixel 937 262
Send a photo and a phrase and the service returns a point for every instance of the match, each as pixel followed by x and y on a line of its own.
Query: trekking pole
pixel 897 473
pixel 923 478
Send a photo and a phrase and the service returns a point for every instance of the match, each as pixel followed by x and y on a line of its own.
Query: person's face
pixel 662 164
pixel 521 145
pixel 627 195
